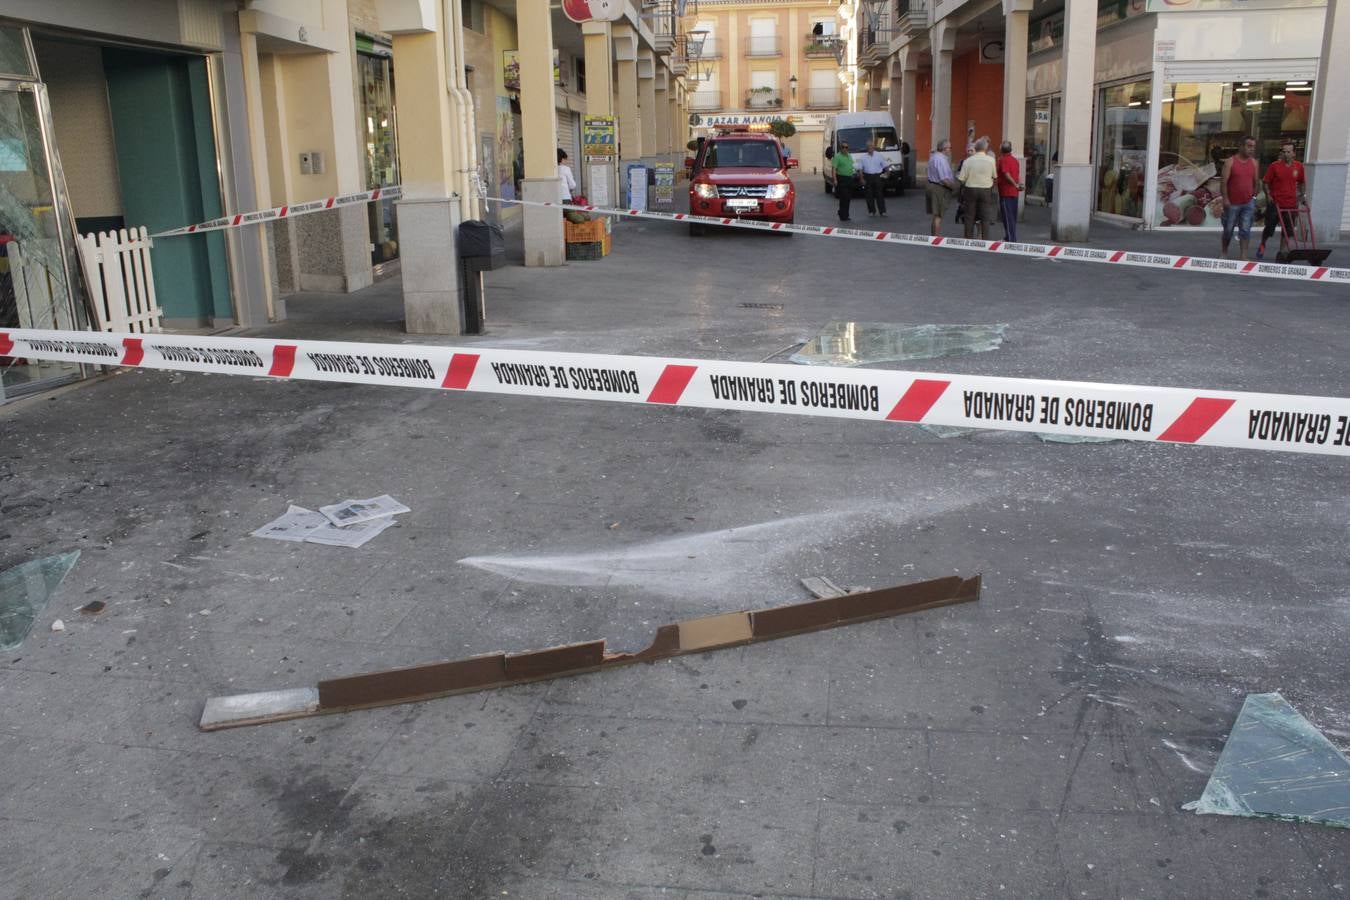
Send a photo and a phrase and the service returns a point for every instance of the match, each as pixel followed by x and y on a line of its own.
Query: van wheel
pixel 697 229
pixel 900 191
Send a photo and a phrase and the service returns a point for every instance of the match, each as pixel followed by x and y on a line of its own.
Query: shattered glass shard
pixel 1277 765
pixel 1049 438
pixel 24 592
pixel 948 431
pixel 865 343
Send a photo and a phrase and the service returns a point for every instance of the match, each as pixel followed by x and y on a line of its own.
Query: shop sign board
pixel 1164 51
pixel 801 120
pixel 1156 6
pixel 598 138
pixel 581 11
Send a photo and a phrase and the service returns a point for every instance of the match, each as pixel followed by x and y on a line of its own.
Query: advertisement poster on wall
pixel 597 137
pixel 511 69
pixel 506 149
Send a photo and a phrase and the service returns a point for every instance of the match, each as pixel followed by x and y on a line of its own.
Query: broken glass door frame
pixel 66 312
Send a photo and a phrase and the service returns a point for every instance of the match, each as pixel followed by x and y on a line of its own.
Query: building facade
pixel 1120 108
pixel 753 61
pixel 163 113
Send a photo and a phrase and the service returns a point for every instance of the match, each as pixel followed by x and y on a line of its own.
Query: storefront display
pixel 1204 123
pixel 1123 143
pixel 1042 138
pixel 375 69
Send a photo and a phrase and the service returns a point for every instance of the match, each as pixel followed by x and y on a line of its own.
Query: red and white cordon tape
pixel 239 220
pixel 1316 274
pixel 1213 418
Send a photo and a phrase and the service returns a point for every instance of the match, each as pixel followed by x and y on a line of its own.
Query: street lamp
pixel 792 86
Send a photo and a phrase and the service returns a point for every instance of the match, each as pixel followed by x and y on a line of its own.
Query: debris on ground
pixel 93 607
pixel 866 343
pixel 25 591
pixel 495 670
pixel 354 512
pixel 1277 765
pixel 58 625
pixel 305 525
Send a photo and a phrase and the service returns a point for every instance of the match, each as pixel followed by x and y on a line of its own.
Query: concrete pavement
pixel 1038 743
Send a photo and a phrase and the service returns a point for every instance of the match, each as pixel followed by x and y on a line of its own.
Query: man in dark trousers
pixel 844 177
pixel 873 164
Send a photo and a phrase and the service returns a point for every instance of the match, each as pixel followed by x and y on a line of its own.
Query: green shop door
pixel 160 106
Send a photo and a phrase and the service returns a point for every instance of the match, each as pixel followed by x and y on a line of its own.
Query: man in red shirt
pixel 1238 184
pixel 1009 187
pixel 1284 192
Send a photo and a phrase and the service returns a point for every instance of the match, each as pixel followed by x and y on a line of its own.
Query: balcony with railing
pixel 819 45
pixel 871 43
pixel 763 98
pixel 911 16
pixel 763 45
pixel 824 98
pixel 704 100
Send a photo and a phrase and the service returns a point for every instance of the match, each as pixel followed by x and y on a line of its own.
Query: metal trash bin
pixel 481 248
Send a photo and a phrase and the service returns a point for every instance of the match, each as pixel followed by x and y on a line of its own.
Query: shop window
pixel 1204 123
pixel 1041 145
pixel 1123 148
pixel 380 139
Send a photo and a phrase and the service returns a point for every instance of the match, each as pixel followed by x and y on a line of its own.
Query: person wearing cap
pixel 844 176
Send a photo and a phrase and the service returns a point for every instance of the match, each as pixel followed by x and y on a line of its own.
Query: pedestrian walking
pixel 941 185
pixel 1010 188
pixel 567 182
pixel 872 165
pixel 1239 183
pixel 1285 185
pixel 978 193
pixel 844 178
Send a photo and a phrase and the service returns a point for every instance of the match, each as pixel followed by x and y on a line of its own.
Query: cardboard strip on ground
pixel 494 670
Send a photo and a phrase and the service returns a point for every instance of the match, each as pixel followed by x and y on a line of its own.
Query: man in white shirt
pixel 872 164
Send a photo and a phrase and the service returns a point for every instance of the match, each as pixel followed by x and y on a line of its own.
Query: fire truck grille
pixel 731 191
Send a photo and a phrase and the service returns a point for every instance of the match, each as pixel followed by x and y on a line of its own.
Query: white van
pixel 856 129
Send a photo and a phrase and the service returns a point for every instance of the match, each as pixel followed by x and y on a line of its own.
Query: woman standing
pixel 567 182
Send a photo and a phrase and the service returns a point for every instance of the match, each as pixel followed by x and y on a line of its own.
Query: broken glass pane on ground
pixel 24 593
pixel 865 343
pixel 1048 438
pixel 948 431
pixel 1277 765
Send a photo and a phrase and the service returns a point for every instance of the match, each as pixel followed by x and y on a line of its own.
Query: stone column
pixel 646 70
pixel 626 88
pixel 1329 133
pixel 599 102
pixel 429 212
pixel 250 76
pixel 662 112
pixel 942 38
pixel 1016 14
pixel 539 132
pixel 1071 212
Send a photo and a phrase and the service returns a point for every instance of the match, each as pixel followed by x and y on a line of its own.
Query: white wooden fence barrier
pixel 121 280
